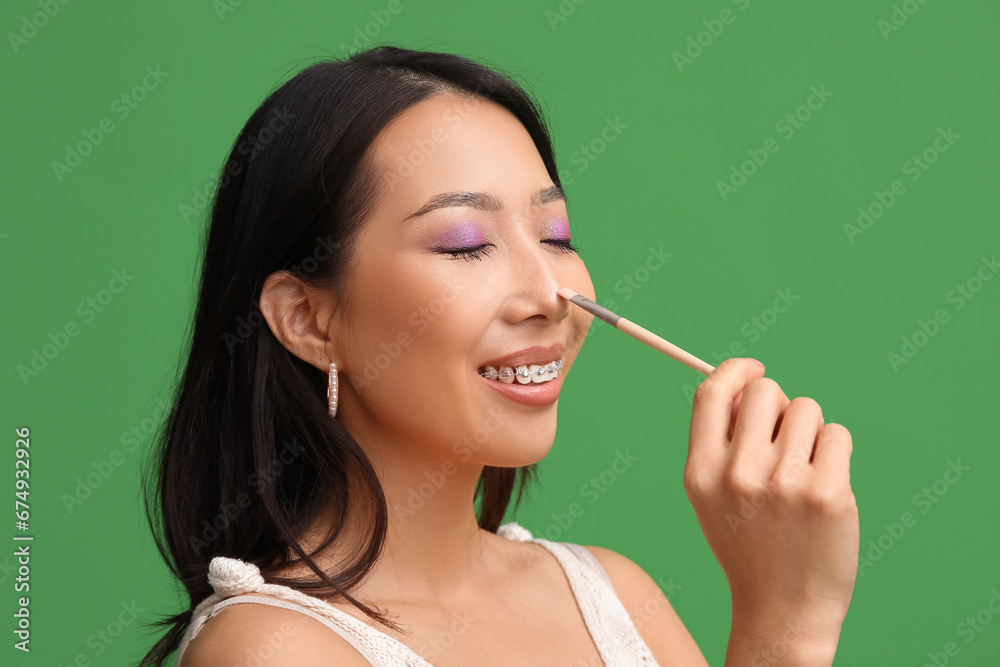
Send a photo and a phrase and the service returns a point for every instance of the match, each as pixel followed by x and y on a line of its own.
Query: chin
pixel 512 449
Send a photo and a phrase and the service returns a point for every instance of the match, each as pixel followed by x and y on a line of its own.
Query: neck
pixel 434 549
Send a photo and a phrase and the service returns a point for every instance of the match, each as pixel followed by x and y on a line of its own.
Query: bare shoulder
pixel 260 634
pixel 650 610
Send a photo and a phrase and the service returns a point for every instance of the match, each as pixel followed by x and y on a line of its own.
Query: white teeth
pixel 524 374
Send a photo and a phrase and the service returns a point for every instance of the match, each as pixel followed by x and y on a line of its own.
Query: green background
pixel 656 184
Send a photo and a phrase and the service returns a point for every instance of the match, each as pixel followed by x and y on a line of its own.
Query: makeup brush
pixel 637 332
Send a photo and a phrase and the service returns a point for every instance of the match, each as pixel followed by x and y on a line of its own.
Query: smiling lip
pixel 531 394
pixel 538 354
pixel 528 394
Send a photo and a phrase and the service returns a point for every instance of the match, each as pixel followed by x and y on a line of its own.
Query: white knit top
pixel 613 632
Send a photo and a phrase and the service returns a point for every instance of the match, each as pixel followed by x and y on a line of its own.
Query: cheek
pixel 412 323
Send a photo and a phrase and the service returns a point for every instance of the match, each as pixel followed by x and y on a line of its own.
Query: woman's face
pixel 421 323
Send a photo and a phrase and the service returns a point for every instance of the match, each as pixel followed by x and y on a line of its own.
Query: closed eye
pixel 476 252
pixel 480 251
pixel 563 244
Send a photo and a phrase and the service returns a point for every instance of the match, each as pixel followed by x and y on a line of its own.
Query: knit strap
pixel 615 635
pixel 583 553
pixel 231 577
pixel 284 604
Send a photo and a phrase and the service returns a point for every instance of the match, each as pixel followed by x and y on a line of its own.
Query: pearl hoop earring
pixel 331 389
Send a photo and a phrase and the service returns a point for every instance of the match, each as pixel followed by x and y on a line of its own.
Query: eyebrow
pixel 484 201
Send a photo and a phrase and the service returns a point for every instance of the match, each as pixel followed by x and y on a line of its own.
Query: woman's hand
pixel 770 484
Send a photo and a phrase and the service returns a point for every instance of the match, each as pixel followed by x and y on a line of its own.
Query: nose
pixel 534 279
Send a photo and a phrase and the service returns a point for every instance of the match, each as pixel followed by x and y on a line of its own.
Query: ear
pixel 297 316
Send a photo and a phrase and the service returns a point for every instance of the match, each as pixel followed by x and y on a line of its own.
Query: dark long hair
pixel 248 455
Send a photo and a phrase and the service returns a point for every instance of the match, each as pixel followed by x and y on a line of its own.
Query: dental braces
pixel 522 371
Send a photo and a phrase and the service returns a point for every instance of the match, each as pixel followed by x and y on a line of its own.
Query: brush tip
pixel 566 292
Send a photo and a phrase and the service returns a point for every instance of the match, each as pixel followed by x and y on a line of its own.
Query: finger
pixel 751 447
pixel 832 460
pixel 777 424
pixel 736 410
pixel 713 405
pixel 797 434
pixel 732 415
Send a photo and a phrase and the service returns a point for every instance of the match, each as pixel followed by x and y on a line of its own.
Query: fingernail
pixel 760 363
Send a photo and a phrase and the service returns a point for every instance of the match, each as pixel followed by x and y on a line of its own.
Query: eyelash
pixel 480 251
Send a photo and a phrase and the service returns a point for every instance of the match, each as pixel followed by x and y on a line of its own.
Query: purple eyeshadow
pixel 558 229
pixel 462 235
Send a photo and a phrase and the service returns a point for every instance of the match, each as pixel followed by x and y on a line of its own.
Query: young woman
pixel 379 344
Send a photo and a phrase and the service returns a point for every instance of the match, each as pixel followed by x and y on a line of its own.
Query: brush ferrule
pixel 596 309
